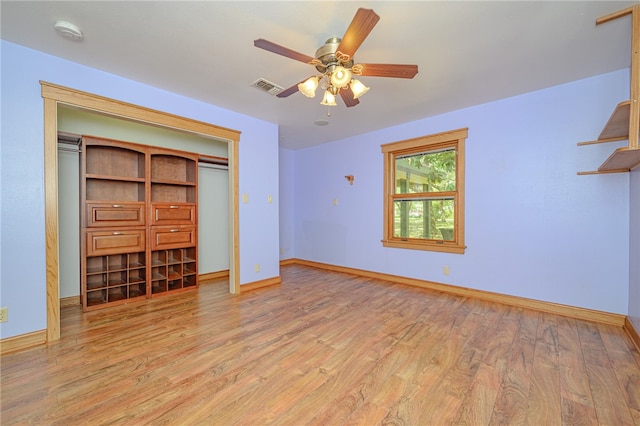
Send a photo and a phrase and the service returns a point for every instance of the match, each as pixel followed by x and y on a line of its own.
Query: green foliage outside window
pixel 428 179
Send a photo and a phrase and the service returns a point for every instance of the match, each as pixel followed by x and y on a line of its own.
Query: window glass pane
pixel 426 172
pixel 426 219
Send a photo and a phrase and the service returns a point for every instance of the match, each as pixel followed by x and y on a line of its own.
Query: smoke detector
pixel 68 30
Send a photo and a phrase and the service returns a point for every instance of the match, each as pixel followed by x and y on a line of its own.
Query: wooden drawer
pixel 112 214
pixel 173 214
pixel 115 241
pixel 166 237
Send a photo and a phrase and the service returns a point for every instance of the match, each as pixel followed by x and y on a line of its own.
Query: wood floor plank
pixel 502 341
pixel 513 395
pixel 544 406
pixel 480 400
pixel 628 376
pixel 456 363
pixel 608 396
pixel 577 402
pixel 323 348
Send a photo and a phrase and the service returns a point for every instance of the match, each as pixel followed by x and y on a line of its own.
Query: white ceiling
pixel 467 52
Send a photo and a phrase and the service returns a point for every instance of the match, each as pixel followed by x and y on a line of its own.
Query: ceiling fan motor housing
pixel 327 55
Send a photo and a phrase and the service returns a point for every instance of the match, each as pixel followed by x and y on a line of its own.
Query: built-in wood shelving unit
pixel 624 123
pixel 139 221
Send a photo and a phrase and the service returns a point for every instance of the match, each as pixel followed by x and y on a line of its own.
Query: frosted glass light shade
pixel 329 99
pixel 340 77
pixel 308 87
pixel 358 88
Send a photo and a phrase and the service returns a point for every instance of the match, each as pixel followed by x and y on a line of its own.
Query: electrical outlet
pixel 257 267
pixel 4 314
pixel 445 270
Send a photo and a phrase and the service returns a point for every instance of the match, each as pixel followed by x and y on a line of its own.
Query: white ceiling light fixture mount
pixel 68 30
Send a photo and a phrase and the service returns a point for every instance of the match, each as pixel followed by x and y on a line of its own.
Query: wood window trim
pixel 424 143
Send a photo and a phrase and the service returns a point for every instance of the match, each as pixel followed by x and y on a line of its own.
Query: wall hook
pixel 350 178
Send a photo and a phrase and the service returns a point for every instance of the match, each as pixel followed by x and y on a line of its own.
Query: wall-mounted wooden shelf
pixel 624 123
pixel 623 159
pixel 618 125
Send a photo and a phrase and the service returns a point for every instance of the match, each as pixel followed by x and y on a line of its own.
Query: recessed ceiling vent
pixel 267 86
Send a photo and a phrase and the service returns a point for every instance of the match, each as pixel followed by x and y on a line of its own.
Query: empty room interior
pixel 320 212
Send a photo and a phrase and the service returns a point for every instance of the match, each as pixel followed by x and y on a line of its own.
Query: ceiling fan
pixel 336 66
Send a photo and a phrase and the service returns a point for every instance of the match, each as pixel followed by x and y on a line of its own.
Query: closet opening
pixel 60 100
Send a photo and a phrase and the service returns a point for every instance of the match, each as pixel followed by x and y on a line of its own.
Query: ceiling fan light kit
pixel 309 86
pixel 329 99
pixel 358 88
pixel 334 61
pixel 340 77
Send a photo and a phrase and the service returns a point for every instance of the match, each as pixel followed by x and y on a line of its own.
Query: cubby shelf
pixel 113 278
pixel 173 269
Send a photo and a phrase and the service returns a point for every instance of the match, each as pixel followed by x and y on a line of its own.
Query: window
pixel 424 193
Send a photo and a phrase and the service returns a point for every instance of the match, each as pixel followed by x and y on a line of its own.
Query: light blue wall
pixel 634 251
pixel 22 241
pixel 534 228
pixel 287 203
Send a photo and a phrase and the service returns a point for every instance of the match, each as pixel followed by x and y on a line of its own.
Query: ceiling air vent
pixel 267 86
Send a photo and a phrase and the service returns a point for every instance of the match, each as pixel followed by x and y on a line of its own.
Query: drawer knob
pixel 117 233
pixel 175 230
pixel 117 206
pixel 174 207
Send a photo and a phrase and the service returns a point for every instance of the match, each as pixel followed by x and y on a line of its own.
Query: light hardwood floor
pixel 324 348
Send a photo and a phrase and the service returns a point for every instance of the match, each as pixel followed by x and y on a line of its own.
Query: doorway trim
pixel 54 95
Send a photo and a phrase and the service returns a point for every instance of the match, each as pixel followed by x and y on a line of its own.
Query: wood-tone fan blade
pixel 389 70
pixel 288 92
pixel 360 27
pixel 347 97
pixel 281 50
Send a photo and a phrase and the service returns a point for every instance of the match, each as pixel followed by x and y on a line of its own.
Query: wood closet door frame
pixel 53 96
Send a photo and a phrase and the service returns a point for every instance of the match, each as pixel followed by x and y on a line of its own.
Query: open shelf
pixel 624 123
pixel 114 190
pixel 115 162
pixel 617 128
pixel 618 125
pixel 173 178
pixel 623 159
pixel 173 169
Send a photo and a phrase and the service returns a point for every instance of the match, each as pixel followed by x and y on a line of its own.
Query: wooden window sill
pixel 413 245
